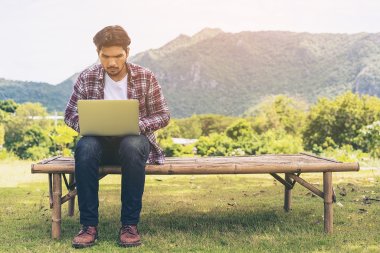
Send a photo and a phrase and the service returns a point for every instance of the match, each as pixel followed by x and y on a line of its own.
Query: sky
pixel 50 40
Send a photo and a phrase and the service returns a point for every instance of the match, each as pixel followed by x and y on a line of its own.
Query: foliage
pixel 338 122
pixel 279 142
pixel 203 125
pixel 33 139
pixel 171 130
pixel 345 154
pixel 369 139
pixel 6 155
pixel 239 129
pixel 213 123
pixel 24 130
pixel 278 112
pixel 35 153
pixel 8 105
pixel 345 125
pixel 2 133
pixel 189 128
pixel 214 145
pixel 239 139
pixel 63 138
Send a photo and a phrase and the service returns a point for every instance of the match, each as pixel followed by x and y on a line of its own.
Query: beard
pixel 113 71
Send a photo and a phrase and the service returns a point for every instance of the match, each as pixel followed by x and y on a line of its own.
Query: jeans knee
pixel 88 147
pixel 134 146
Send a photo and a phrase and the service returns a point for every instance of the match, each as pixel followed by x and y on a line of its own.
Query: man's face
pixel 113 61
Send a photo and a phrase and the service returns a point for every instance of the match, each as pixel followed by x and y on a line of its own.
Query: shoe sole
pixel 81 246
pixel 129 245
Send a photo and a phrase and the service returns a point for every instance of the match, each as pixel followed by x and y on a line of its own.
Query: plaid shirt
pixel 142 85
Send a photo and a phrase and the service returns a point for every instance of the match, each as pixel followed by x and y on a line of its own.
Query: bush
pixel 369 139
pixel 36 153
pixel 214 145
pixel 5 155
pixel 279 142
pixel 345 154
pixel 338 122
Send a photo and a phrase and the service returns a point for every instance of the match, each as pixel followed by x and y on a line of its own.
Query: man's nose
pixel 111 62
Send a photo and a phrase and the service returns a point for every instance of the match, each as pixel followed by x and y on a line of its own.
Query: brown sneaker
pixel 129 236
pixel 86 237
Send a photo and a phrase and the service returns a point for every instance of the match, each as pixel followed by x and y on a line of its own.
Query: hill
pixel 227 73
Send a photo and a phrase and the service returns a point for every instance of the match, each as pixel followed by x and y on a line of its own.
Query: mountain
pixel 227 73
pixel 54 97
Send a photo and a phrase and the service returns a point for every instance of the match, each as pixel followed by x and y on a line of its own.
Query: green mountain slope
pixel 226 73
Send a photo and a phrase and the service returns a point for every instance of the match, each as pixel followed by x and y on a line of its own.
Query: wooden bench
pixel 291 165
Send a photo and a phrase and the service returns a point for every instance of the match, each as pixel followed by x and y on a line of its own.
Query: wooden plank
pixel 282 181
pixel 69 196
pixel 307 185
pixel 56 212
pixel 287 194
pixel 323 158
pixel 328 202
pixel 216 165
pixel 71 207
pixel 50 159
pixel 212 168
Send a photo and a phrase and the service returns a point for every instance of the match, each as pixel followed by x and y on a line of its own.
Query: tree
pixel 338 122
pixel 171 130
pixel 278 142
pixel 2 133
pixel 25 130
pixel 8 105
pixel 214 145
pixel 190 128
pixel 30 138
pixel 278 112
pixel 203 125
pixel 214 123
pixel 369 139
pixel 63 137
pixel 240 128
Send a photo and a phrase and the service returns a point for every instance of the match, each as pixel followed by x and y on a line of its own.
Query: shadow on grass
pixel 183 220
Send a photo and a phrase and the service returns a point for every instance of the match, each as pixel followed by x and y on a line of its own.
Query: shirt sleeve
pixel 158 115
pixel 71 112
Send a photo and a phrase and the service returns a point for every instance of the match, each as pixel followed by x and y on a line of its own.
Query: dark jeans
pixel 131 152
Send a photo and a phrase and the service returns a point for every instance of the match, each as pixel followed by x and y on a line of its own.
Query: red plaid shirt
pixel 142 85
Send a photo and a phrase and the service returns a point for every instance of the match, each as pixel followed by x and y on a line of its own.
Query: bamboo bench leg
pixel 288 194
pixel 328 202
pixel 56 213
pixel 72 200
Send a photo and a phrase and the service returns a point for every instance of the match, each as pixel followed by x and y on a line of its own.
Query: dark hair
pixel 112 36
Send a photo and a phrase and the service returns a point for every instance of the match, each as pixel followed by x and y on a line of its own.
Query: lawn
pixel 228 213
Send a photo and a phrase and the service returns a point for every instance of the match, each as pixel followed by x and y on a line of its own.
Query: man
pixel 116 79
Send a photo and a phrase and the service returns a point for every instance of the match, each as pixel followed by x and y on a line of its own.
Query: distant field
pixel 230 213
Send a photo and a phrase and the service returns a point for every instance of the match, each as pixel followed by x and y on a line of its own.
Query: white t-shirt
pixel 115 90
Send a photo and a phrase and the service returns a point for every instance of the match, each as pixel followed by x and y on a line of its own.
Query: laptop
pixel 108 117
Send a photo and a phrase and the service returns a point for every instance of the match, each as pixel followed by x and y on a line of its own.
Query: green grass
pixel 200 214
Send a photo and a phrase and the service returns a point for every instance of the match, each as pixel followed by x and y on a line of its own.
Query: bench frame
pixel 292 176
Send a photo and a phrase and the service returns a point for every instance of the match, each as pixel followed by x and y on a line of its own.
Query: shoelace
pixel 128 229
pixel 84 230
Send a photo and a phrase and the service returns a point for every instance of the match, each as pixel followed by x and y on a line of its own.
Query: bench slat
pixel 215 165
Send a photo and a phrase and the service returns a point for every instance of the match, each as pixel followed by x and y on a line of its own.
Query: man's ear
pixel 127 52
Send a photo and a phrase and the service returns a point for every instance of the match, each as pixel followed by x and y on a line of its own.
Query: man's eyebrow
pixel 105 55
